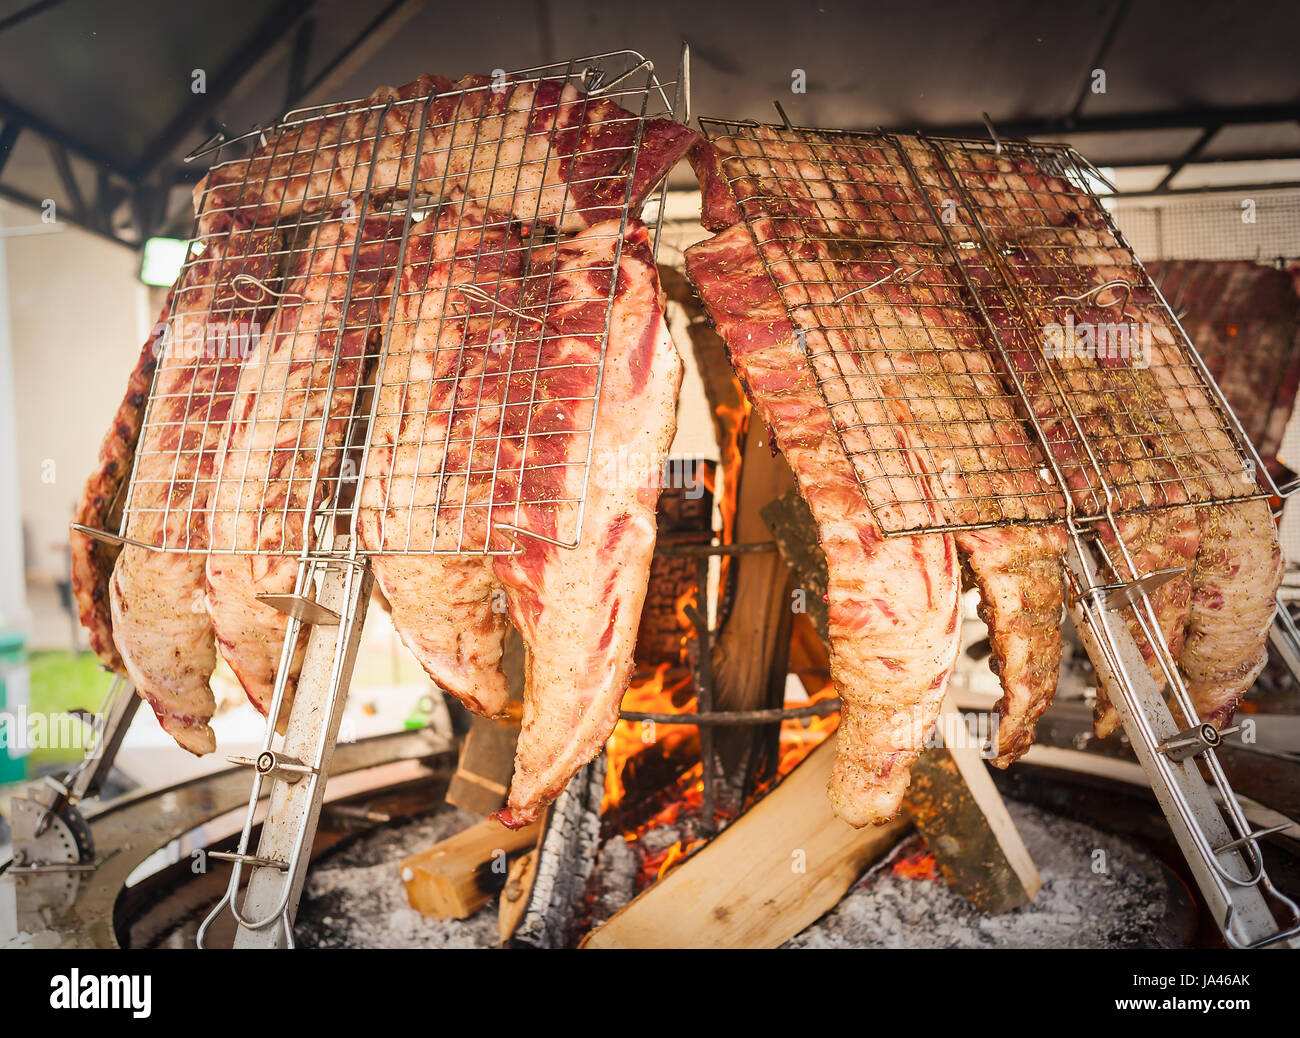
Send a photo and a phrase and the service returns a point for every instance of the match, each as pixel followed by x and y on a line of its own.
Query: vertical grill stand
pixel 825 193
pixel 296 773
pixel 1207 821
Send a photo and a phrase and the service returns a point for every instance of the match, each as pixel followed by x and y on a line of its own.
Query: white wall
pixel 77 316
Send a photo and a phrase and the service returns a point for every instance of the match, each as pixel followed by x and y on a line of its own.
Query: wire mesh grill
pixel 969 309
pixel 375 331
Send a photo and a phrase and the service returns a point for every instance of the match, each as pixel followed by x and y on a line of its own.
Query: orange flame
pixel 800 736
pixel 672 857
pixel 731 422
pixel 917 866
pixel 652 695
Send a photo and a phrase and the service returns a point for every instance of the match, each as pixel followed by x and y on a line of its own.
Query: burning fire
pixel 800 736
pixel 664 863
pixel 732 422
pixel 653 695
pixel 664 692
pixel 668 691
pixel 917 866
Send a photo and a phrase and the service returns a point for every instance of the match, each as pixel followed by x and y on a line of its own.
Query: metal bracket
pixel 1215 837
pixel 1122 596
pixel 251 859
pixel 1191 743
pixel 271 764
pixel 306 610
pixel 110 538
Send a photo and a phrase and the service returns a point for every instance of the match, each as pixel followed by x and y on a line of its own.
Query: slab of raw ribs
pixel 100 504
pixel 496 313
pixel 537 151
pixel 486 422
pixel 834 285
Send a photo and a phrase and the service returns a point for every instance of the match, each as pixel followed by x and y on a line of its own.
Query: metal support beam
pixel 298 60
pixel 267 35
pixel 20 16
pixel 8 137
pixel 1214 189
pixel 1179 119
pixel 1235 157
pixel 1180 163
pixel 1103 47
pixel 71 188
pixel 11 111
pixel 32 202
pixel 378 31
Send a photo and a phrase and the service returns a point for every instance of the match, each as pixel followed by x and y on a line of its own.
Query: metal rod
pixel 738 717
pixel 698 615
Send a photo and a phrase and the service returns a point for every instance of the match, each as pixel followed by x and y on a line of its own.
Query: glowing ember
pixel 662 864
pixel 917 866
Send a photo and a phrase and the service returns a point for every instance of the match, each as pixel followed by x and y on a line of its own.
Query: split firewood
pixel 955 805
pixel 487 756
pixel 457 876
pixel 952 797
pixel 518 888
pixel 770 874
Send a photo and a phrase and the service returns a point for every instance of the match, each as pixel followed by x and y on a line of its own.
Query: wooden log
pixel 487 756
pixel 960 812
pixel 518 889
pixel 770 874
pixel 566 855
pixel 457 876
pixel 952 797
pixel 795 532
pixel 751 654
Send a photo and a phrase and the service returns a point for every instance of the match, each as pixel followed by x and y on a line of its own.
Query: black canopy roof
pixel 98 109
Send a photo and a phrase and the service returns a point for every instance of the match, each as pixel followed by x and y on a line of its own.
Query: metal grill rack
pixel 876 243
pixel 951 275
pixel 318 274
pixel 290 397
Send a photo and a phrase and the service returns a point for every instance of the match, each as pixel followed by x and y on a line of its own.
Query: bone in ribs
pixel 100 504
pixel 894 601
pixel 538 151
pixel 909 346
pixel 486 419
pixel 159 624
pixel 578 609
pixel 294 402
pixel 1244 318
pixel 1216 616
pixel 436 423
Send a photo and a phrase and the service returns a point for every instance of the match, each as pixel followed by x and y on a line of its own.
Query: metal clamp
pixel 271 764
pixel 1191 742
